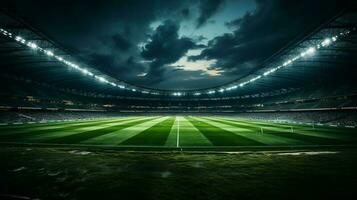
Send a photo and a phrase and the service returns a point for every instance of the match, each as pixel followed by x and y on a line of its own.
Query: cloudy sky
pixel 175 44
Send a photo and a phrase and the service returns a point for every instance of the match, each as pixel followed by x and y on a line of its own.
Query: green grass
pixel 28 131
pixel 221 137
pixel 77 160
pixel 79 137
pixel 284 132
pixel 156 135
pixel 80 173
pixel 176 131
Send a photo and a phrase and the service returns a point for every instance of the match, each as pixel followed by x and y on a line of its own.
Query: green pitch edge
pixel 77 138
pixel 285 132
pixel 154 136
pixel 18 135
pixel 220 137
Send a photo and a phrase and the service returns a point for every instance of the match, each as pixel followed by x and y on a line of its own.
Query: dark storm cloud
pixel 185 12
pixel 165 47
pixel 121 42
pixel 106 33
pixel 126 67
pixel 183 79
pixel 110 34
pixel 207 8
pixel 259 34
pixel 103 60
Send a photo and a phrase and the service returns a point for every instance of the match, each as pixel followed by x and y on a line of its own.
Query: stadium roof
pixel 330 48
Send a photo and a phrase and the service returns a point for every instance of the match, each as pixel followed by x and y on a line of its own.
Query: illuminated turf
pixel 176 131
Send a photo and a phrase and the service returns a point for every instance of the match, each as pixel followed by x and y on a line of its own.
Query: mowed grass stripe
pixel 328 131
pixel 191 136
pixel 35 132
pixel 154 136
pixel 172 137
pixel 298 129
pixel 119 136
pixel 188 136
pixel 65 132
pixel 19 127
pixel 220 137
pixel 253 132
pixel 296 135
pixel 258 124
pixel 316 136
pixel 77 138
pixel 53 127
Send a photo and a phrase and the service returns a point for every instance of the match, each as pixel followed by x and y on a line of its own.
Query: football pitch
pixel 177 132
pixel 176 157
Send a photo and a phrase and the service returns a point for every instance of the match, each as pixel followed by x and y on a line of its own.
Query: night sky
pixel 177 44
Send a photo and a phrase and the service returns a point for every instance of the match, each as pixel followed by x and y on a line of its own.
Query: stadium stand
pixel 28 116
pixel 34 86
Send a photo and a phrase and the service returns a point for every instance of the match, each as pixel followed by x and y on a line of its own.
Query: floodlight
pixel 311 50
pixel 101 79
pixel 326 42
pixel 18 38
pixel 177 93
pixel 32 45
pixel 49 53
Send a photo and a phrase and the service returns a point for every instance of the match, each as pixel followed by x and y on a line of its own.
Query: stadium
pixel 280 123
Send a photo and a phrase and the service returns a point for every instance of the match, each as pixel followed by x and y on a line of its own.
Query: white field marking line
pixel 178 132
